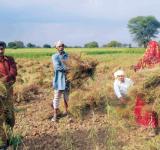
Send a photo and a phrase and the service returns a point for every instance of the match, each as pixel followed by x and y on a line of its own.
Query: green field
pixel 43 53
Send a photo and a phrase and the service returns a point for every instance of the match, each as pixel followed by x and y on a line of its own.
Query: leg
pixel 66 98
pixel 9 108
pixel 3 126
pixel 56 100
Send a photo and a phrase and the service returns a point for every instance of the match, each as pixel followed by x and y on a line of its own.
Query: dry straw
pixel 147 83
pixel 80 70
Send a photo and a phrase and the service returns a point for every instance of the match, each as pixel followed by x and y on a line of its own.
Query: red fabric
pixel 148 119
pixel 151 56
pixel 8 68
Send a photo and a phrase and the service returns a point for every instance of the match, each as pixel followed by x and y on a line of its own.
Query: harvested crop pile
pixel 80 70
pixel 147 83
pixel 26 93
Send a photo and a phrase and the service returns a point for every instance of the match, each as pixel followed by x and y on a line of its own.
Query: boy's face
pixel 2 49
pixel 60 48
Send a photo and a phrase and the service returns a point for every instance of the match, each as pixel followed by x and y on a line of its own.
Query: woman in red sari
pixel 150 58
pixel 144 114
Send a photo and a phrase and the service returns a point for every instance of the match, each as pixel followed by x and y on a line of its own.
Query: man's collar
pixel 61 53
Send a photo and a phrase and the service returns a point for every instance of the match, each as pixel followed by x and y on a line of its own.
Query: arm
pixel 131 83
pixel 58 64
pixel 11 77
pixel 117 90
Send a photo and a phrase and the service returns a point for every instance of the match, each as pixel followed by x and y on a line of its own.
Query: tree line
pixel 20 44
pixel 93 44
pixel 142 29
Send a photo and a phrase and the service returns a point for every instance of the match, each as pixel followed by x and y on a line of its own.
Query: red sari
pixel 147 119
pixel 151 56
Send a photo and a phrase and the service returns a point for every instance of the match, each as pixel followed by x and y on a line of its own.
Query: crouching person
pixel 60 82
pixel 145 116
pixel 8 72
pixel 121 86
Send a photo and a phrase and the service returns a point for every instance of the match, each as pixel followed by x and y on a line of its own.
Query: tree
pixel 46 46
pixel 91 45
pixel 19 44
pixel 143 28
pixel 16 44
pixel 130 45
pixel 11 45
pixel 30 45
pixel 113 44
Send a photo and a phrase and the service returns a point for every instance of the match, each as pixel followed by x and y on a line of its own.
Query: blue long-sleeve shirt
pixel 59 80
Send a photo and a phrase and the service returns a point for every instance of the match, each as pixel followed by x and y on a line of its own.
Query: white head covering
pixel 58 43
pixel 118 73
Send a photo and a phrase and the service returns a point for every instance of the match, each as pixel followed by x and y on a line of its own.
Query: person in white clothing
pixel 121 86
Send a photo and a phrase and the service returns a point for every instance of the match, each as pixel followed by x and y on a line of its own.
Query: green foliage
pixel 15 141
pixel 114 44
pixel 16 44
pixel 30 45
pixel 91 45
pixel 46 46
pixel 12 45
pixel 143 28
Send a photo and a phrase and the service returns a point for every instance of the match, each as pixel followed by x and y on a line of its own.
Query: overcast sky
pixel 73 21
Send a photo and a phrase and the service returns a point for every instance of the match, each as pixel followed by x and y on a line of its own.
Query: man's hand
pixel 64 61
pixel 123 100
pixel 3 79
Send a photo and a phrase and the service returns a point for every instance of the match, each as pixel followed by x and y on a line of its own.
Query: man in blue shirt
pixel 59 81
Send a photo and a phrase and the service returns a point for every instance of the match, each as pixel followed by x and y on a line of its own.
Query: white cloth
pixel 57 97
pixel 59 43
pixel 121 88
pixel 118 73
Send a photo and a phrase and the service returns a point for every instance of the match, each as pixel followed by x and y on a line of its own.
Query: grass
pixel 45 53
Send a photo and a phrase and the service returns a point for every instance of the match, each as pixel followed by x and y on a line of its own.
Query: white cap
pixel 118 73
pixel 58 43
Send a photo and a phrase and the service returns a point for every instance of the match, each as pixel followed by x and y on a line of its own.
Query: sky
pixel 75 22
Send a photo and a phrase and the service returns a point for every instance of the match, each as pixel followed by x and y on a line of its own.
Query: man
pixel 8 72
pixel 121 85
pixel 60 82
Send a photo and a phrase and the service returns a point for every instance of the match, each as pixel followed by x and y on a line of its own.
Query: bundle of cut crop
pixel 147 84
pixel 80 70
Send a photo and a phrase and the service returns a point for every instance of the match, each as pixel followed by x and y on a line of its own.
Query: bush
pixel 114 44
pixel 30 45
pixel 46 46
pixel 91 45
pixel 16 44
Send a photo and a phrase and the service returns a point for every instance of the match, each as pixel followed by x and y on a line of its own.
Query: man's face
pixel 60 48
pixel 121 78
pixel 2 49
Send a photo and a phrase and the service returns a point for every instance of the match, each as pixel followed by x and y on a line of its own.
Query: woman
pixel 145 116
pixel 150 58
